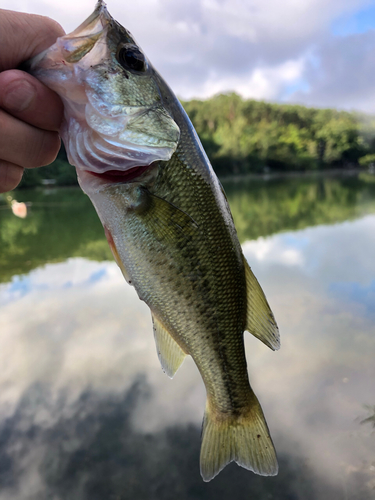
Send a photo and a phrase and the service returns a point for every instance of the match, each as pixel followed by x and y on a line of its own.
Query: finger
pixel 10 176
pixel 24 97
pixel 24 36
pixel 25 145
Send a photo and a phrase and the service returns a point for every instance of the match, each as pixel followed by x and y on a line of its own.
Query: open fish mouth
pixel 115 119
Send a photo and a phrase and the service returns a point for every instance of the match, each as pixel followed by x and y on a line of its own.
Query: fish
pixel 169 226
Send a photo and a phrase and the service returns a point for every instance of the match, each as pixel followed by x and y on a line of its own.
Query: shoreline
pixel 348 172
pixel 265 176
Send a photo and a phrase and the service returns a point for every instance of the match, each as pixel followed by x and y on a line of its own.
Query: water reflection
pixel 95 453
pixel 263 208
pixel 87 413
pixel 62 222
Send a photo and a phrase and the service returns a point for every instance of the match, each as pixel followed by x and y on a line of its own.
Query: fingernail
pixel 19 96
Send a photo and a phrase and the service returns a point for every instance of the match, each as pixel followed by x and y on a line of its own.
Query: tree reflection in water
pixel 62 223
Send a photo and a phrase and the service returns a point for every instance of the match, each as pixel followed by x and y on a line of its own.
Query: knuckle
pixel 10 176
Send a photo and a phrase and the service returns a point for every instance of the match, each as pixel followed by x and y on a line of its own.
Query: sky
pixel 313 52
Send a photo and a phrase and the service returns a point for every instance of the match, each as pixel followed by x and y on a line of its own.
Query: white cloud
pixel 342 74
pixel 261 83
pixel 255 47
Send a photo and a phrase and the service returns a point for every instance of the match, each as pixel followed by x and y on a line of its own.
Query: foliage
pixel 246 136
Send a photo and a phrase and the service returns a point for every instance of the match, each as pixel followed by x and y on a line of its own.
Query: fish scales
pixel 224 296
pixel 169 226
pixel 218 311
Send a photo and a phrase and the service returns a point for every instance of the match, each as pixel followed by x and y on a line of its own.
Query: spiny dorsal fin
pixel 260 321
pixel 170 353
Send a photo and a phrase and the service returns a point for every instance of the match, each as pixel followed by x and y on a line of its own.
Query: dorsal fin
pixel 260 321
pixel 170 353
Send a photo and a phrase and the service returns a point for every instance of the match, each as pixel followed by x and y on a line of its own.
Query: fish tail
pixel 243 438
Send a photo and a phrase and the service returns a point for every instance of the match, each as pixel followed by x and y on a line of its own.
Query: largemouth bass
pixel 169 226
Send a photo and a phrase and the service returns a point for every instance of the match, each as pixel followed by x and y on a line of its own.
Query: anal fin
pixel 260 320
pixel 170 353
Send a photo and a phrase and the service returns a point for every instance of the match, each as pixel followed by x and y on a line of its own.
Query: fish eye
pixel 131 57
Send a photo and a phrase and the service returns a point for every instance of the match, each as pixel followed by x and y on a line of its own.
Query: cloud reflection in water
pixel 86 412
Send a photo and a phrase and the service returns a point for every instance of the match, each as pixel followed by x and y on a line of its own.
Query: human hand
pixel 30 113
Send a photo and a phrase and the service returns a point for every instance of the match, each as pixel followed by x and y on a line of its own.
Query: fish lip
pixel 95 26
pixel 86 28
pixel 87 34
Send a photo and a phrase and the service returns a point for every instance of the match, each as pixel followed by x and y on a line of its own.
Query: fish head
pixel 115 119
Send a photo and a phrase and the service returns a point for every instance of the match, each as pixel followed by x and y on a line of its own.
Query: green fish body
pixel 170 229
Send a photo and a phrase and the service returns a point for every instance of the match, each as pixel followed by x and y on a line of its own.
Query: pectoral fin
pixel 170 353
pixel 260 321
pixel 166 221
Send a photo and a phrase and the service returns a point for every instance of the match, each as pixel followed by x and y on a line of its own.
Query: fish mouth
pixel 94 182
pixel 106 133
pixel 120 176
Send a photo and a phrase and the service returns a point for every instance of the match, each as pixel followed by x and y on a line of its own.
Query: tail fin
pixel 244 439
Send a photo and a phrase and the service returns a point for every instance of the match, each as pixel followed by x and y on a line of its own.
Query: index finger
pixel 23 36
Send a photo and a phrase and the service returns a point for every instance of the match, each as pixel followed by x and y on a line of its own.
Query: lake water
pixel 85 409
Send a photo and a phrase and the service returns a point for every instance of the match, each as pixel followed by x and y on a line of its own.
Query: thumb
pixel 23 36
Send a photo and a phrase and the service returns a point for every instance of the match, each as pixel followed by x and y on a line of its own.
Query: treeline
pixel 243 136
pixel 247 136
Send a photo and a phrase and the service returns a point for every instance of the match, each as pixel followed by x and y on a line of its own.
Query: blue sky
pixel 312 52
pixel 356 22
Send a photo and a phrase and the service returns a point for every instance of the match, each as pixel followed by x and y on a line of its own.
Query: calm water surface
pixel 85 409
